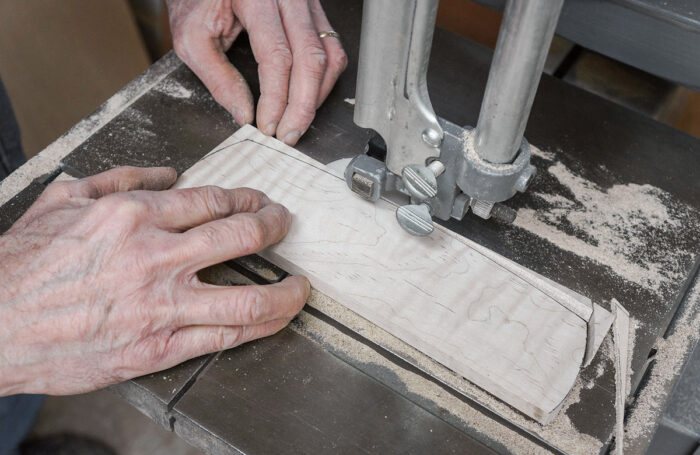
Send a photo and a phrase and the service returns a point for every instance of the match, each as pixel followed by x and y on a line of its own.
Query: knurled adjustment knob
pixel 421 181
pixel 415 219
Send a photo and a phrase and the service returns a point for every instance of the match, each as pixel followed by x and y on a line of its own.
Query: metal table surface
pixel 326 385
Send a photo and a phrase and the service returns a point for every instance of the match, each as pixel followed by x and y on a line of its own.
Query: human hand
pixel 98 280
pixel 297 69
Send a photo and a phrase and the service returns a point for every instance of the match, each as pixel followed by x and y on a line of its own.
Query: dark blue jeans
pixel 17 415
pixel 17 412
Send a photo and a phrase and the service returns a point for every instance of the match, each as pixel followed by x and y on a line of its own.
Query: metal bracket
pixel 371 179
pixel 392 92
pixel 444 168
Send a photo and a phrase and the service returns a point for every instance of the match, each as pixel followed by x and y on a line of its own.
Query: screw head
pixel 432 137
pixel 415 219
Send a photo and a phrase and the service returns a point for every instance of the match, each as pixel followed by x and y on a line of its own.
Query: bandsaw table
pixel 330 384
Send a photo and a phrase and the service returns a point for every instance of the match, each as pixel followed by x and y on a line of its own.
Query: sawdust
pixel 222 275
pixel 560 432
pixel 415 384
pixel 140 125
pixel 671 353
pixel 536 151
pixel 173 89
pixel 468 137
pixel 606 348
pixel 49 159
pixel 267 273
pixel 624 220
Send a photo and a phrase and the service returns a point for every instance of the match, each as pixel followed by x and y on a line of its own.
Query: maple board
pixel 508 330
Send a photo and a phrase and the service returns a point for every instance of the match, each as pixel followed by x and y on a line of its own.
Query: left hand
pixel 297 69
pixel 98 280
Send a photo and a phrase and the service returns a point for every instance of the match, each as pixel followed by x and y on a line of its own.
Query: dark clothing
pixel 17 415
pixel 17 412
pixel 11 156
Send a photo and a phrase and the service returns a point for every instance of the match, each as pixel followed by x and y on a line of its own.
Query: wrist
pixel 12 373
pixel 11 379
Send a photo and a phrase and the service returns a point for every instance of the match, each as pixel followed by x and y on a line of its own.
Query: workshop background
pixel 61 59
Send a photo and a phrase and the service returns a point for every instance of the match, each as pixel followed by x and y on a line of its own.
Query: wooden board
pixel 505 328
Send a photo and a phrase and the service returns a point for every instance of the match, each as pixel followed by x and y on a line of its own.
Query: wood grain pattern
pixel 504 328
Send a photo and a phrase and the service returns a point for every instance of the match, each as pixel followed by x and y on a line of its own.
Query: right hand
pixel 296 68
pixel 98 281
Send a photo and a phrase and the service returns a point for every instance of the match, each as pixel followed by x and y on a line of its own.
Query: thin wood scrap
pixel 621 335
pixel 509 330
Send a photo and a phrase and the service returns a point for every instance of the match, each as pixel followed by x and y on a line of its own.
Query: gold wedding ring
pixel 329 34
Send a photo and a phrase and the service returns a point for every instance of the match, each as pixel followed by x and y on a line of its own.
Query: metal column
pixel 521 50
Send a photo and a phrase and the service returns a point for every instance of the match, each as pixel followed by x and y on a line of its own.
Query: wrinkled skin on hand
pixel 98 280
pixel 297 69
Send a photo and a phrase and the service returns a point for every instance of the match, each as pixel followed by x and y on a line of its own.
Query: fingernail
pixel 239 116
pixel 270 129
pixel 291 138
pixel 308 286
